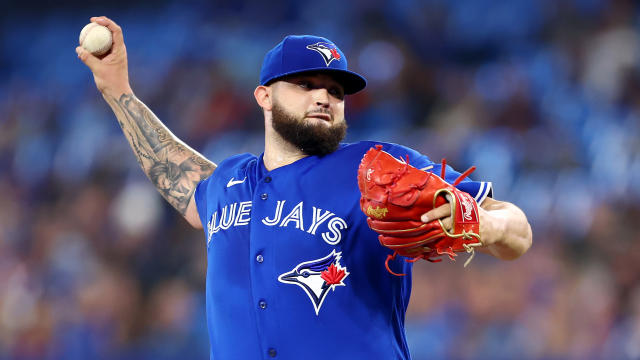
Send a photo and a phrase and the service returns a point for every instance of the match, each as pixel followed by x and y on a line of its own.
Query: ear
pixel 263 97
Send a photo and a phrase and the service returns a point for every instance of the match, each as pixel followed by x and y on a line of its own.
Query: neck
pixel 279 152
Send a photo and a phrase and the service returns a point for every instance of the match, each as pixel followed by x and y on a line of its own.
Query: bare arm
pixel 504 229
pixel 172 166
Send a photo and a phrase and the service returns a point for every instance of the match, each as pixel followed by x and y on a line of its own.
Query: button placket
pixel 262 305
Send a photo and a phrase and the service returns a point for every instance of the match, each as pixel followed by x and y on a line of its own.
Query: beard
pixel 311 138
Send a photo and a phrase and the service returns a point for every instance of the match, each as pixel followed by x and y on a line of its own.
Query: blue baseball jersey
pixel 293 271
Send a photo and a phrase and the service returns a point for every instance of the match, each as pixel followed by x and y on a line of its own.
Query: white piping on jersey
pixel 485 189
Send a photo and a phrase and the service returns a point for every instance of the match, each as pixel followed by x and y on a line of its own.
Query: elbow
pixel 524 244
pixel 524 236
pixel 515 247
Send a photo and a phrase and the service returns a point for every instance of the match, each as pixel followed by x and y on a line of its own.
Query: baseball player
pixel 293 272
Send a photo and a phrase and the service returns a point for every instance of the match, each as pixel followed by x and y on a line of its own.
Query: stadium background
pixel 543 96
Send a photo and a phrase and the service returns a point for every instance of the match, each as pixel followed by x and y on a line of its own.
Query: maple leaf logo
pixel 335 54
pixel 333 275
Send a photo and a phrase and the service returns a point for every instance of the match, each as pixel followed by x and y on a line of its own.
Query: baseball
pixel 96 39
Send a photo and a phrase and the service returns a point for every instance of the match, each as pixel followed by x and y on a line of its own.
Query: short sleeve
pixel 201 199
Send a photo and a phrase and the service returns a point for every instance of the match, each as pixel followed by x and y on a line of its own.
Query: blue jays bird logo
pixel 328 51
pixel 317 277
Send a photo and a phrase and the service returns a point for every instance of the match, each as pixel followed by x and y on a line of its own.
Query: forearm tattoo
pixel 173 167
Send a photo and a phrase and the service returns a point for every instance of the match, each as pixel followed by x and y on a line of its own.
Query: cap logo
pixel 328 51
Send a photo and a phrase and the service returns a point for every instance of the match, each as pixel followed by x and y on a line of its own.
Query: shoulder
pixel 234 167
pixel 400 151
pixel 229 167
pixel 236 161
pixel 363 146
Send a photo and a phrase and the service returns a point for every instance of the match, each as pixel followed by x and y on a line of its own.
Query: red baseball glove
pixel 394 197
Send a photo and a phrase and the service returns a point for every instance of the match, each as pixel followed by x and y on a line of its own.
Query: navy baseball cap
pixel 306 53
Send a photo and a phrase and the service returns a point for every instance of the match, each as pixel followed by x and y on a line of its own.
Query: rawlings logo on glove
pixel 377 213
pixel 394 197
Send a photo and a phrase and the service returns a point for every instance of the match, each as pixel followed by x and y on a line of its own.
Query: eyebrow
pixel 333 82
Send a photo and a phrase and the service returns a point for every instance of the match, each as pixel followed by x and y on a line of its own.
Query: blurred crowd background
pixel 543 96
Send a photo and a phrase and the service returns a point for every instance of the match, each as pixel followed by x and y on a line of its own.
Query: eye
pixel 305 274
pixel 336 92
pixel 304 84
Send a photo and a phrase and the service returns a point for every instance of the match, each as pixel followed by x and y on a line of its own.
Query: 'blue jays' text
pixel 323 223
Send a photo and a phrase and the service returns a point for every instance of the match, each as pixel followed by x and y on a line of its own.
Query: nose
pixel 321 97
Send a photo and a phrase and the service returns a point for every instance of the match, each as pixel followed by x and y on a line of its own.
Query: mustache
pixel 319 111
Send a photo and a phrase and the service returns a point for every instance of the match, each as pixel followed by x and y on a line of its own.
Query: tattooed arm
pixel 172 166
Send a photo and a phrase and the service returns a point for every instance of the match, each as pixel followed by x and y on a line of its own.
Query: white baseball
pixel 96 39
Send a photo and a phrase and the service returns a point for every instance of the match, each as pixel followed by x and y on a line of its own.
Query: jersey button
pixel 267 179
pixel 272 352
pixel 262 304
pixel 264 196
pixel 260 258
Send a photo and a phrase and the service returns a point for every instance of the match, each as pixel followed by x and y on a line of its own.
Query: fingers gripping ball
pixel 394 195
pixel 96 39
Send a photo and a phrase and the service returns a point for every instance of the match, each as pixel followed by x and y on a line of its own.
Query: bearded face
pixel 312 137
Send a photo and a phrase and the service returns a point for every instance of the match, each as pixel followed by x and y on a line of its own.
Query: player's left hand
pixel 443 213
pixel 488 231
